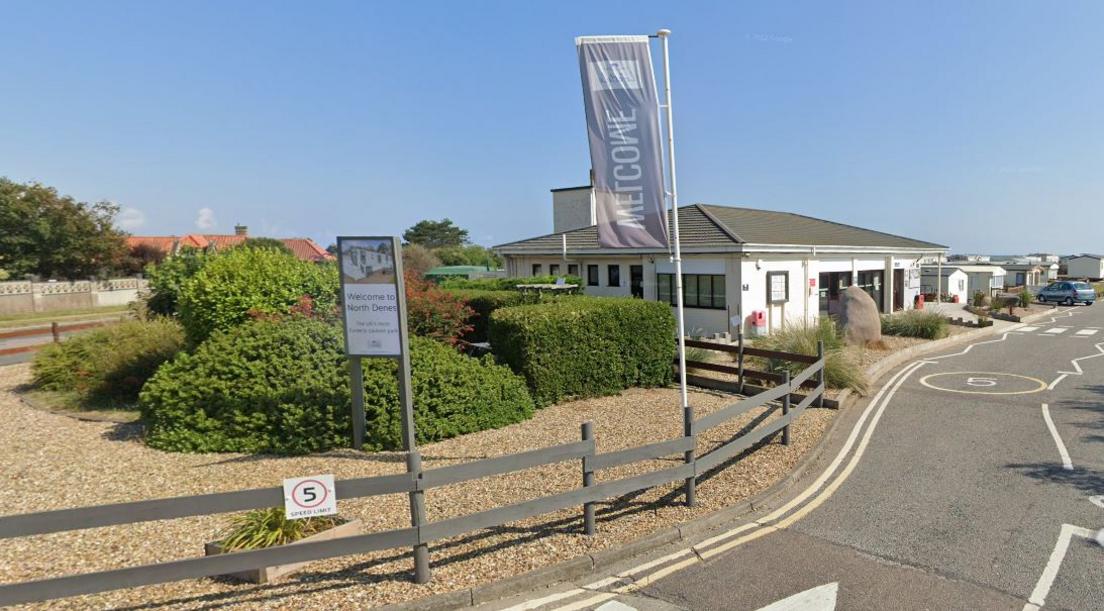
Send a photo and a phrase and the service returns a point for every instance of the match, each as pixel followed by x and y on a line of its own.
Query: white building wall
pixel 1085 267
pixel 572 209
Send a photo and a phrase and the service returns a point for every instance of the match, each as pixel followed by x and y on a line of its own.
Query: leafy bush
pixel 108 364
pixel 434 313
pixel 1025 298
pixel 243 281
pixel 841 368
pixel 167 278
pixel 261 528
pixel 504 284
pixel 979 299
pixel 483 303
pixel 282 387
pixel 915 323
pixel 586 346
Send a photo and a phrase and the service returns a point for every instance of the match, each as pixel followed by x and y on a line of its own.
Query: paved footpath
pixel 974 479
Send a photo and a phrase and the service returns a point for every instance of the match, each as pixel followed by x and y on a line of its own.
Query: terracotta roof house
pixel 736 261
pixel 304 248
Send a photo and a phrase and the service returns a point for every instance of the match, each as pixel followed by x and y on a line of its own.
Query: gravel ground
pixel 53 461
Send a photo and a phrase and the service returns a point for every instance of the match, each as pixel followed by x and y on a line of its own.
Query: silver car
pixel 1068 293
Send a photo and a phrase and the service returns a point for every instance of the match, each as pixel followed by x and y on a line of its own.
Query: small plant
pixel 979 300
pixel 915 323
pixel 841 368
pixel 1024 298
pixel 261 528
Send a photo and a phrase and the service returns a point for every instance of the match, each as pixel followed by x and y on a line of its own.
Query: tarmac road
pixel 956 489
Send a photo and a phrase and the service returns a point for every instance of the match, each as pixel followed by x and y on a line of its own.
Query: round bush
pixel 231 286
pixel 282 387
pixel 108 364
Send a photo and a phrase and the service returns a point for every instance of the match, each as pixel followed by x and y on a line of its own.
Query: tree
pixel 55 236
pixel 418 259
pixel 141 257
pixel 270 243
pixel 435 234
pixel 471 254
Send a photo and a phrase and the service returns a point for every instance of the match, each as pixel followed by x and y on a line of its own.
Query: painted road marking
pixel 983 379
pixel 1066 462
pixel 1055 330
pixel 1028 329
pixel 1087 332
pixel 614 605
pixel 1056 381
pixel 1097 500
pixel 820 598
pixel 1042 587
pixel 758 528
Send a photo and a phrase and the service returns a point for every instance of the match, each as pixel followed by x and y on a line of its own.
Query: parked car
pixel 1068 293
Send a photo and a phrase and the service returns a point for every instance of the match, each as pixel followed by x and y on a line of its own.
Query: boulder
pixel 860 320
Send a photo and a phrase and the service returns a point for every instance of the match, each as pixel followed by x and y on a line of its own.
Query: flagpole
pixel 687 411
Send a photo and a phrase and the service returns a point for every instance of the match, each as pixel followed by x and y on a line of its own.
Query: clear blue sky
pixel 974 124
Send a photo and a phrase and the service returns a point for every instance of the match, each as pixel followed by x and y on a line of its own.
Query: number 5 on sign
pixel 307 497
pixel 984 382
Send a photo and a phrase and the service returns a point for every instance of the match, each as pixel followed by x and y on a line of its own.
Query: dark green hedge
pixel 504 284
pixel 586 346
pixel 282 387
pixel 486 302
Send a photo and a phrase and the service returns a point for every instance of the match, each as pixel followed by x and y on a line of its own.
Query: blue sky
pixel 978 124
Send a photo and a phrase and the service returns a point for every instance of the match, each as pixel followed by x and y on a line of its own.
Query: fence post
pixel 740 356
pixel 55 332
pixel 688 456
pixel 820 374
pixel 786 410
pixel 422 573
pixel 588 481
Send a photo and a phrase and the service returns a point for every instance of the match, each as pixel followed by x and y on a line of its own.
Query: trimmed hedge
pixel 586 346
pixel 281 386
pixel 483 303
pixel 241 282
pixel 109 364
pixel 505 284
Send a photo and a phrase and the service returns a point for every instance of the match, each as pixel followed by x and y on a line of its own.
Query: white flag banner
pixel 622 112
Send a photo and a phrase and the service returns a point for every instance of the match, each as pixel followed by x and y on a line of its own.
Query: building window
pixel 778 287
pixel 572 269
pixel 536 269
pixel 592 275
pixel 698 290
pixel 554 269
pixel 614 275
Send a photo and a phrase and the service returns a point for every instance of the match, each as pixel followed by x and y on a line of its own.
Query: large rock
pixel 859 317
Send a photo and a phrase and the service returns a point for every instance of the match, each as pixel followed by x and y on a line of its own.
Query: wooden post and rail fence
pixel 417 482
pixel 54 332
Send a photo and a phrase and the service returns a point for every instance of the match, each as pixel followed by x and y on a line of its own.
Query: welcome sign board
pixel 371 303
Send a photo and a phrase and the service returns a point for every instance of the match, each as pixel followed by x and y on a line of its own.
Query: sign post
pixel 373 299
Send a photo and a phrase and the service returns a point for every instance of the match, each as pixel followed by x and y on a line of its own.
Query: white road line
pixel 1087 332
pixel 820 598
pixel 1066 462
pixel 1056 380
pixel 1027 329
pixel 1055 330
pixel 1097 500
pixel 1077 361
pixel 1042 587
pixel 971 347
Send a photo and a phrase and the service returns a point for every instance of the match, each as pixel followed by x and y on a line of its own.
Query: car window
pixel 1080 285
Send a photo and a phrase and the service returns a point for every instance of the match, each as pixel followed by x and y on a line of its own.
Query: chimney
pixel 241 230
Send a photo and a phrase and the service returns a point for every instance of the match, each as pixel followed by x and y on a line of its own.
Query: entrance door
pixel 636 281
pixel 898 289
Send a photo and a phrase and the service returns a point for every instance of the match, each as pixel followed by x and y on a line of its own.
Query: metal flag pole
pixel 687 411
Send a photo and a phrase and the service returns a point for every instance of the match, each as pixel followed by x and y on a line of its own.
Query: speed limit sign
pixel 306 497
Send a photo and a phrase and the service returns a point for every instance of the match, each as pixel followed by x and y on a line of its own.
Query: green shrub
pixel 261 528
pixel 167 278
pixel 979 299
pixel 483 303
pixel 282 387
pixel 841 368
pixel 435 313
pixel 109 364
pixel 915 323
pixel 1025 298
pixel 505 284
pixel 242 282
pixel 586 346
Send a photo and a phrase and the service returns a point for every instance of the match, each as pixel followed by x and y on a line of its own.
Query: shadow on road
pixel 1085 480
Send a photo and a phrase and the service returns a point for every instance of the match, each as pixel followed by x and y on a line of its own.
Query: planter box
pixel 272 573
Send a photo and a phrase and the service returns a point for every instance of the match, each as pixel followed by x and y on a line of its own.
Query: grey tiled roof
pixel 707 225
